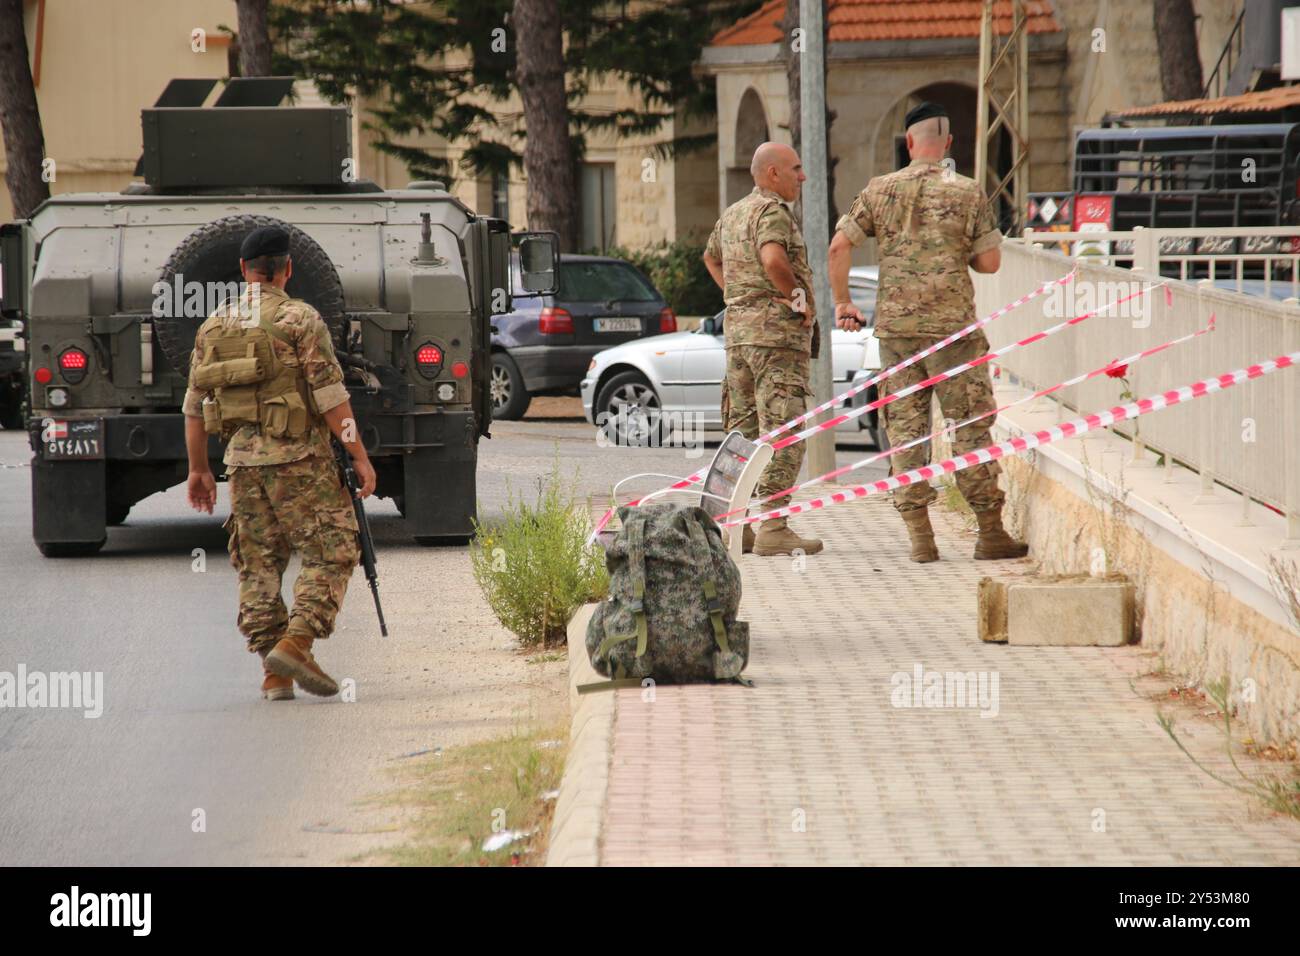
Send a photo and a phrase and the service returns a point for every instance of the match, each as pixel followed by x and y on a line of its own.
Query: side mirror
pixel 539 262
pixel 707 326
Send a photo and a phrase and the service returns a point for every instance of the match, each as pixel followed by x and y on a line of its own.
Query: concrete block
pixel 1070 612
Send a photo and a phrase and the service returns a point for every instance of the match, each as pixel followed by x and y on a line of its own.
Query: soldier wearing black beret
pixel 263 376
pixel 931 226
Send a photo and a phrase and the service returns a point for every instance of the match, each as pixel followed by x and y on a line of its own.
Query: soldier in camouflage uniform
pixel 285 491
pixel 930 224
pixel 756 255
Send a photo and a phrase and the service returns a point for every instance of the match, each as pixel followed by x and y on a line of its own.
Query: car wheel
pixel 509 397
pixel 631 410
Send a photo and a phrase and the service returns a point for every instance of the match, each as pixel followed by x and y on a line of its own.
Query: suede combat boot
pixel 274 687
pixel 924 550
pixel 292 658
pixel 775 537
pixel 994 543
pixel 747 539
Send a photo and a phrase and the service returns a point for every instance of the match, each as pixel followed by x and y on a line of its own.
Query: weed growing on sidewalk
pixel 535 567
pixel 1280 795
pixel 1284 576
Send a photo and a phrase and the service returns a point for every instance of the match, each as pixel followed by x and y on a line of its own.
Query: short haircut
pixel 269 266
pixel 932 127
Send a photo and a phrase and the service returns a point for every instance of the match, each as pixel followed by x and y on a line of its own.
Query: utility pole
pixel 816 205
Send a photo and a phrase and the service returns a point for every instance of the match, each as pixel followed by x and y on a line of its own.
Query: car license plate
pixel 71 440
pixel 612 324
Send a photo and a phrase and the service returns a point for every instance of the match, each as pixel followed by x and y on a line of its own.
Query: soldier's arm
pixel 773 233
pixel 201 486
pixel 986 240
pixel 324 378
pixel 852 230
pixel 713 258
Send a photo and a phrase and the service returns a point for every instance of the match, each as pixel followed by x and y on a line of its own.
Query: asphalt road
pixel 186 764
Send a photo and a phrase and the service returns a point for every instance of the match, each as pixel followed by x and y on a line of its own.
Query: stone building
pixel 1086 57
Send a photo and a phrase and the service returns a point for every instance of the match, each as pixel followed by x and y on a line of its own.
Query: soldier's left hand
pixel 848 317
pixel 202 491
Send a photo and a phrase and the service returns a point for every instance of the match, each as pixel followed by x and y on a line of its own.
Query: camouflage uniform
pixel 928 222
pixel 285 493
pixel 768 344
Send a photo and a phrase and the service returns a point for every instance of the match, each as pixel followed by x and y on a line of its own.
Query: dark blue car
pixel 544 346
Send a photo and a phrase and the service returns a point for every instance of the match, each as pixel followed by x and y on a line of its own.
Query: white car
pixel 645 385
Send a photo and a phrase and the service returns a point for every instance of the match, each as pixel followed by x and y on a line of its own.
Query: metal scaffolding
pixel 1004 92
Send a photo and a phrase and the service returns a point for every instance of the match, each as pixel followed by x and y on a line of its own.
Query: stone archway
pixel 751 130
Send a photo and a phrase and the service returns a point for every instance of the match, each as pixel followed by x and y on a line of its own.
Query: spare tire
pixel 211 254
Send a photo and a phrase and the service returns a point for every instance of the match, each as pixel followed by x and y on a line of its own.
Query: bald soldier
pixel 757 257
pixel 930 225
pixel 263 376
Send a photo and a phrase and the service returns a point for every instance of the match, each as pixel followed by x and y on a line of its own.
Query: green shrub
pixel 535 567
pixel 677 271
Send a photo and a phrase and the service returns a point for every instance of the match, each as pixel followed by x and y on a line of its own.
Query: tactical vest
pixel 249 384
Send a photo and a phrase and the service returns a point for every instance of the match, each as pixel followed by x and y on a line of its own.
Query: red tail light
pixel 555 321
pixel 73 364
pixel 43 376
pixel 460 370
pixel 428 360
pixel 667 321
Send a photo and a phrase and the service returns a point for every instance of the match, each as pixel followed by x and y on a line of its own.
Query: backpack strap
pixel 636 567
pixel 704 561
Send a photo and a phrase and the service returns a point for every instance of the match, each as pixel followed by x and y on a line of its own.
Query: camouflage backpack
pixel 673 597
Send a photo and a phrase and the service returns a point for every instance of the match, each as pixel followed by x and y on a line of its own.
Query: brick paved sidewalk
pixel 814 765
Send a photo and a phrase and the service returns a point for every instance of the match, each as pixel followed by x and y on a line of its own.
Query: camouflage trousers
pixel 968 394
pixel 767 387
pixel 278 509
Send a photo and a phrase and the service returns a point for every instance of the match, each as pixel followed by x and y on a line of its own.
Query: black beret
pixel 923 111
pixel 264 241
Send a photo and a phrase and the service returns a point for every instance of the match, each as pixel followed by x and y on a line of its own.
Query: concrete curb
pixel 580 808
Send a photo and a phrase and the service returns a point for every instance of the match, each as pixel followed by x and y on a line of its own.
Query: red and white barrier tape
pixel 1119 363
pixel 1022 443
pixel 857 389
pixel 955 371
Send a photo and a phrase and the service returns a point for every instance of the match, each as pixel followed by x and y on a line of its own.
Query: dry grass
pixel 464 796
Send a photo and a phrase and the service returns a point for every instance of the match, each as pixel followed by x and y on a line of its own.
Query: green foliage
pixel 677 271
pixel 535 567
pixel 437 66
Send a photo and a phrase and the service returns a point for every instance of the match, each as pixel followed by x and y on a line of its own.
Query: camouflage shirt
pixel 311 351
pixel 755 316
pixel 928 221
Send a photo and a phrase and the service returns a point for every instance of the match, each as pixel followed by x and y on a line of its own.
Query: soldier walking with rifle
pixel 264 376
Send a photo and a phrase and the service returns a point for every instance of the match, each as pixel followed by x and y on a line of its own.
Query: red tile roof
pixel 1260 101
pixel 857 20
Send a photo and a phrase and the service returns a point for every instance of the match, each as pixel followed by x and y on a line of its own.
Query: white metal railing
pixel 1191 254
pixel 1246 438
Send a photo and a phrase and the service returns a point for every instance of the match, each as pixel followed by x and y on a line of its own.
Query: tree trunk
pixel 548 148
pixel 788 24
pixel 20 118
pixel 254 38
pixel 1180 58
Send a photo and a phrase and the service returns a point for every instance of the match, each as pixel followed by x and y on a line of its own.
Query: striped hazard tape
pixel 1111 366
pixel 876 379
pixel 1023 443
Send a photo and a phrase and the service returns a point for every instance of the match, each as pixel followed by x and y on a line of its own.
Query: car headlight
pixel 592 366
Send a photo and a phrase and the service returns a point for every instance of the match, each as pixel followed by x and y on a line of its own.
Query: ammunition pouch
pixel 249 385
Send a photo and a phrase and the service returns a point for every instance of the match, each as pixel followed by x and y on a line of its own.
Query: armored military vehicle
pixel 111 288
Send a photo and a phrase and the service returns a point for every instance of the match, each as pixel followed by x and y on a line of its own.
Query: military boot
pixel 292 658
pixel 747 539
pixel 775 537
pixel 994 543
pixel 274 687
pixel 924 550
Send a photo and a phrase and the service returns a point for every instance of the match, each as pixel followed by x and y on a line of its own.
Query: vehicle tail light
pixel 73 364
pixel 460 370
pixel 667 320
pixel 428 360
pixel 555 321
pixel 43 376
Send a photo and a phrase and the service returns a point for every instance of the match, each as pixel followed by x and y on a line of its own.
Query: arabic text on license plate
pixel 617 325
pixel 72 439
